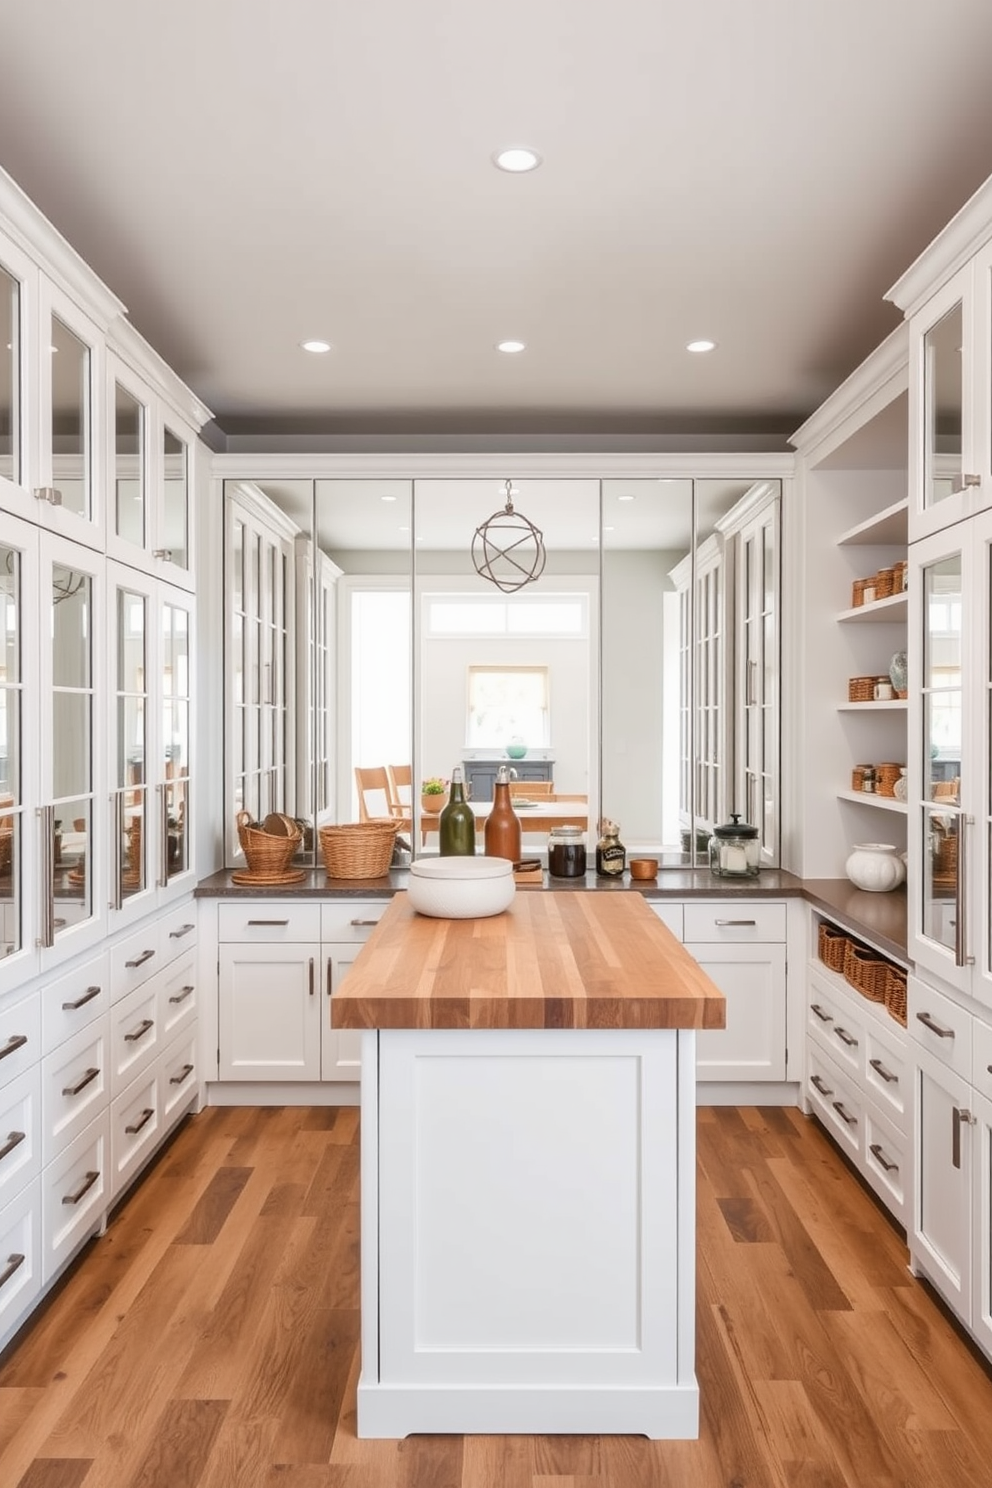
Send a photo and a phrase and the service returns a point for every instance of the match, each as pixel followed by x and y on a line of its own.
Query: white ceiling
pixel 245 175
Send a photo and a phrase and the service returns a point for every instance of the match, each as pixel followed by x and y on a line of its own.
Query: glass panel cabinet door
pixel 10 377
pixel 176 684
pixel 70 430
pixel 130 485
pixel 12 688
pixel 943 750
pixel 943 394
pixel 173 537
pixel 131 806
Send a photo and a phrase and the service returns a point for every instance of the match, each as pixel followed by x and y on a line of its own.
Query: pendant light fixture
pixel 507 549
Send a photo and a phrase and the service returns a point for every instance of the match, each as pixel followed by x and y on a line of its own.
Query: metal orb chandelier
pixel 507 549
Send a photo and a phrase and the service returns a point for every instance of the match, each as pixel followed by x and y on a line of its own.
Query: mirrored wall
pixel 635 678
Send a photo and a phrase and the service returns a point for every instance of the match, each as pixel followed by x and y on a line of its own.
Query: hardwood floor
pixel 210 1338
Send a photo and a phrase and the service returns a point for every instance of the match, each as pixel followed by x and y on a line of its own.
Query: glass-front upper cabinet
pixel 150 478
pixel 67 494
pixel 950 810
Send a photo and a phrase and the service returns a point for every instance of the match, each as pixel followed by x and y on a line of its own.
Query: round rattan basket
pixel 358 849
pixel 266 854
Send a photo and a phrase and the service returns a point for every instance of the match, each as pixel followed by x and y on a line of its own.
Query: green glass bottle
pixel 456 825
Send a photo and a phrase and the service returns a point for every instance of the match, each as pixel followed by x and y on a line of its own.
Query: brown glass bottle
pixel 502 834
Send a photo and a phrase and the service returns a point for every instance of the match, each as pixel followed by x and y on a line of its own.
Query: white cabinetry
pixel 279 964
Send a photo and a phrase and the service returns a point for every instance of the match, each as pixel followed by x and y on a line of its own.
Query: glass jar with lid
pixel 735 851
pixel 566 852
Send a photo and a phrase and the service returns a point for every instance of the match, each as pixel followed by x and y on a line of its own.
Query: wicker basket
pixel 895 993
pixel 885 583
pixel 865 972
pixel 858 595
pixel 860 689
pixel 945 861
pixel 6 849
pixel 358 849
pixel 266 854
pixel 831 946
pixel 885 778
pixel 858 775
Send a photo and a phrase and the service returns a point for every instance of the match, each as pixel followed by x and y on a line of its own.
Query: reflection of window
pixel 508 702
pixel 564 615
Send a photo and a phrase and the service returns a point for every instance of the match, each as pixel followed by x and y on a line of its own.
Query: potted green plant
pixel 433 793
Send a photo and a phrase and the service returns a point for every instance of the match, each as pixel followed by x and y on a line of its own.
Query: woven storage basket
pixel 6 849
pixel 858 776
pixel 945 862
pixel 858 591
pixel 865 972
pixel 895 993
pixel 885 583
pixel 266 854
pixel 358 849
pixel 831 946
pixel 885 778
pixel 860 689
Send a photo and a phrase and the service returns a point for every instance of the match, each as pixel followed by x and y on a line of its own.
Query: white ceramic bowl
pixel 461 888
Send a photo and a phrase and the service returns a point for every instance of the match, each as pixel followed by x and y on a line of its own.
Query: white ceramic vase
pixel 875 866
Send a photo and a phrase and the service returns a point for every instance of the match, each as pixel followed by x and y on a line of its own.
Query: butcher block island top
pixel 552 960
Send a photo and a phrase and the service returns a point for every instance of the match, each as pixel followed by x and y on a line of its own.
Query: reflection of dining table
pixel 539 817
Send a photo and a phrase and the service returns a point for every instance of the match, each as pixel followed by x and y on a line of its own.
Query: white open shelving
pixel 868 798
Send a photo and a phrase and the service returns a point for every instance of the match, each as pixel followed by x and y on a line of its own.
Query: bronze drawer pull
pixel 187 1069
pixel 934 1027
pixel 845 1115
pixel 820 1085
pixel 140 1031
pixel 735 922
pixel 268 922
pixel 81 1084
pixel 82 1190
pixel 845 1037
pixel 88 996
pixel 360 923
pixel 139 960
pixel 14 1262
pixel 876 1152
pixel 960 1116
pixel 143 1120
pixel 16 1041
pixel 182 995
pixel 886 1075
pixel 823 1017
pixel 14 1139
pixel 183 930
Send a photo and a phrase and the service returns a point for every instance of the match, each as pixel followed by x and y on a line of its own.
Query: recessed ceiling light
pixel 404 529
pixel 510 347
pixel 625 498
pixel 517 159
pixel 387 498
pixel 700 346
pixel 607 529
pixel 317 347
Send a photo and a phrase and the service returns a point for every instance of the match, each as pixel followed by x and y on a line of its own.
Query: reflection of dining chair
pixel 529 788
pixel 400 778
pixel 371 781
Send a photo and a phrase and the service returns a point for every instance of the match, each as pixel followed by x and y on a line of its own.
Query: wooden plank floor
pixel 210 1338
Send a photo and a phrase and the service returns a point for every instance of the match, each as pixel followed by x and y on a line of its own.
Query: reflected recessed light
pixel 700 345
pixel 511 346
pixel 387 498
pixel 607 529
pixel 625 498
pixel 517 159
pixel 404 529
pixel 317 347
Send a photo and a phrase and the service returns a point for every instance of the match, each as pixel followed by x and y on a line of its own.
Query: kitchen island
pixel 528 1156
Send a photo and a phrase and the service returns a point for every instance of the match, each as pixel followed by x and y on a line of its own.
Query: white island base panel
pixel 528 1232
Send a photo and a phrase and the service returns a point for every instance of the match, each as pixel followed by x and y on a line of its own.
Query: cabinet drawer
pixel 135 1036
pixel 887 1074
pixel 177 932
pixel 737 920
pixel 74 1001
pixel 177 1078
pixel 982 1058
pixel 886 1162
pixel 836 1100
pixel 177 997
pixel 20 1038
pixel 940 1026
pixel 838 1029
pixel 75 1190
pixel 75 1086
pixel 20 1255
pixel 133 960
pixel 270 921
pixel 20 1135
pixel 135 1124
pixel 670 915
pixel 351 919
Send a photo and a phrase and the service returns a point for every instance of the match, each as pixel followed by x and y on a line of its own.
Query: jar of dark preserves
pixel 567 852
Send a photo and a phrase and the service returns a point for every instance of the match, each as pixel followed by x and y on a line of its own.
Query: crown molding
pixel 142 358
pixel 879 379
pixel 968 230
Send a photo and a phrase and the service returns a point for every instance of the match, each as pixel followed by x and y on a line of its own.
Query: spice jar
pixel 566 852
pixel 734 850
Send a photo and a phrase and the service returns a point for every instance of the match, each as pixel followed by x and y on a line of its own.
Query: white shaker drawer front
pixel 670 915
pixel 133 960
pixel 20 1038
pixel 135 1037
pixel 177 1077
pixel 268 920
pixel 982 1057
pixel 177 999
pixel 20 1254
pixel 75 1189
pixel 74 1001
pixel 887 1074
pixel 887 1161
pixel 20 1134
pixel 836 1100
pixel 940 1026
pixel 351 919
pixel 742 920
pixel 75 1086
pixel 837 1028
pixel 177 932
pixel 135 1123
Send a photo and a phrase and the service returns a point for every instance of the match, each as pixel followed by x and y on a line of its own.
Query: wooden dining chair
pixel 400 779
pixel 531 788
